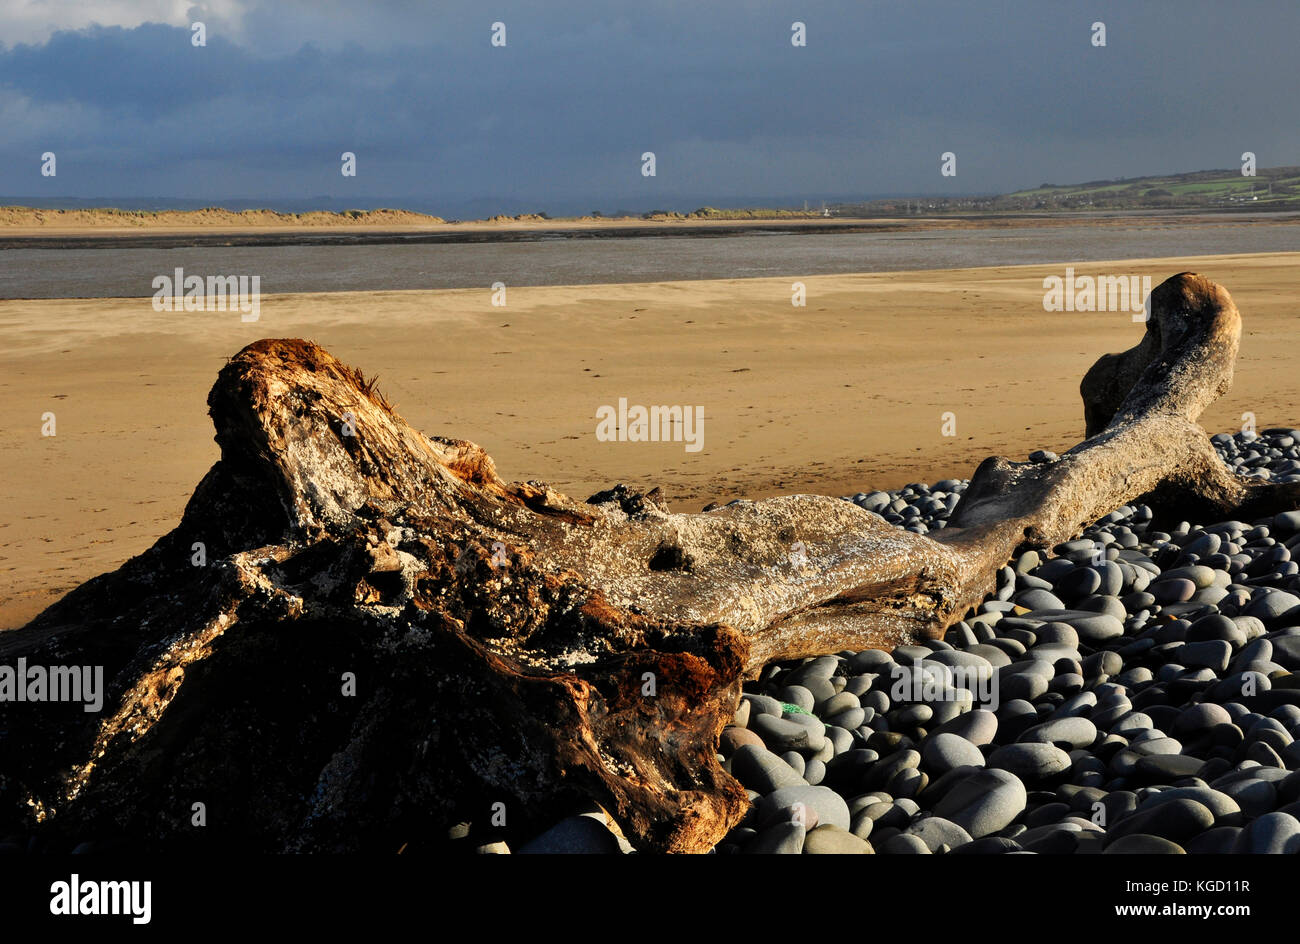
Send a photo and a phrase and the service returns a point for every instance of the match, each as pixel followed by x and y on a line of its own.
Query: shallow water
pixel 118 272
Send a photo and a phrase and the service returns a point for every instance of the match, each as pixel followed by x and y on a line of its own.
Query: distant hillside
pixel 1273 188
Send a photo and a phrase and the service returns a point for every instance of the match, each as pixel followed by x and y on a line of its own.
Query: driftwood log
pixel 512 650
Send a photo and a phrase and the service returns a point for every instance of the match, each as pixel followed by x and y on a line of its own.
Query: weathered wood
pixel 512 645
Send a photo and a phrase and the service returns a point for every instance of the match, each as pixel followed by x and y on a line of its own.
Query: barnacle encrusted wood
pixel 513 650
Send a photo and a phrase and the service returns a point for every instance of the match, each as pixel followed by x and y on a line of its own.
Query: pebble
pixel 944 752
pixel 576 835
pixel 1145 699
pixel 1270 834
pixel 782 838
pixel 828 806
pixel 1030 762
pixel 1074 732
pixel 831 840
pixel 759 769
pixel 984 802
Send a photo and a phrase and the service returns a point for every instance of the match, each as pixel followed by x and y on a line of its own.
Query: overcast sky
pixel 559 117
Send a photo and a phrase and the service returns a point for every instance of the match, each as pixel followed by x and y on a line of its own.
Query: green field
pixel 1272 188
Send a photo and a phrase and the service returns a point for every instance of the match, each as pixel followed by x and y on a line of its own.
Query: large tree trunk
pixel 514 649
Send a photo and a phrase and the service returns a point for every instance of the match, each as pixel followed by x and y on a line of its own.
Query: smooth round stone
pixel 864 823
pixel 1080 582
pixel 839 738
pixel 1057 633
pixel 1075 732
pixel 1166 768
pixel 1076 706
pixel 1211 654
pixel 828 806
pixel 1269 604
pixel 1054 652
pixel 1013 648
pixel 955 659
pixel 935 831
pixel 1013 718
pixel 1216 626
pixel 905 759
pixel 898 815
pixel 733 738
pixel 869 661
pixel 821 690
pixel 1213 595
pixel 848 720
pixel 763 705
pixel 1224 808
pixel 1067 683
pixel 1172 590
pixel 911 716
pixel 796 762
pixel 991 654
pixel 1239 685
pixel 984 802
pixel 903 844
pixel 781 838
pixel 1200 575
pixel 831 840
pixel 1217 841
pixel 1198 719
pixel 1271 834
pixel 822 667
pixel 1142 844
pixel 1027 562
pixel 1251 627
pixel 1032 763
pixel 907 783
pixel 908 655
pixel 759 769
pixel 1110 606
pixel 1255 797
pixel 574 835
pixel 1092 628
pixel 1112 578
pixel 943 752
pixel 1102 663
pixel 1176 820
pixel 1286 651
pixel 978 727
pixel 876 700
pixel 1038 600
pixel 860 684
pixel 954 702
pixel 1204 545
pixel 785 734
pixel 796 695
pixel 1022 685
pixel 1264 755
pixel 841 702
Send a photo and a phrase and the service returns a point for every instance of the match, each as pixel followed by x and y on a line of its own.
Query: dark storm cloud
pixel 563 113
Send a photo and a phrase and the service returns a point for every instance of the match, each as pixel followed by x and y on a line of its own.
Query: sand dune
pixel 845 394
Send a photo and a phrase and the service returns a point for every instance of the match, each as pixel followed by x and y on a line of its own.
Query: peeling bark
pixel 510 644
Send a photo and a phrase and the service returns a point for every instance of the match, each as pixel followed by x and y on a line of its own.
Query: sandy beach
pixel 843 395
